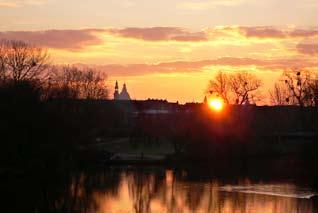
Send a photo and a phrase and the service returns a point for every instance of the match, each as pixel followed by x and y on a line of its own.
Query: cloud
pixel 58 39
pixel 79 39
pixel 303 33
pixel 20 3
pixel 262 32
pixel 184 35
pixel 160 34
pixel 197 66
pixel 308 48
pixel 272 32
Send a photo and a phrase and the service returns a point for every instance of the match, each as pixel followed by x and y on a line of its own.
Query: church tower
pixel 124 95
pixel 116 93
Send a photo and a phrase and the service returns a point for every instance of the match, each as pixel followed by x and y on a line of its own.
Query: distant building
pixel 123 95
pixel 116 94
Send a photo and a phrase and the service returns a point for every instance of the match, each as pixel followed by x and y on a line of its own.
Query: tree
pixel 94 84
pixel 297 88
pixel 239 88
pixel 20 61
pixel 220 86
pixel 313 88
pixel 298 85
pixel 279 95
pixel 76 83
pixel 244 85
pixel 2 64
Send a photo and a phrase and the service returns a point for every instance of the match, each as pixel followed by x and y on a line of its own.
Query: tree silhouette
pixel 76 83
pixel 220 85
pixel 279 95
pixel 244 85
pixel 20 61
pixel 297 84
pixel 239 88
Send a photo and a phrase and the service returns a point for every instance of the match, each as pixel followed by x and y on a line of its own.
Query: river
pixel 159 189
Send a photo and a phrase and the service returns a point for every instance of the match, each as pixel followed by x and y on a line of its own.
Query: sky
pixel 169 49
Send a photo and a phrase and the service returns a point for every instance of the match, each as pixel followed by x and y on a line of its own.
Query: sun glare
pixel 216 104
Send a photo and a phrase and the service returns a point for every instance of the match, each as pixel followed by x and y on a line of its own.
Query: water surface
pixel 166 190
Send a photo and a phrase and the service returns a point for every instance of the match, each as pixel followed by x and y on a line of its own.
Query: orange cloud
pixel 79 39
pixel 57 39
pixel 197 66
pixel 272 32
pixel 308 48
pixel 183 35
pixel 160 34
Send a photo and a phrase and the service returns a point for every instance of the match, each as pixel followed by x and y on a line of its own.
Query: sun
pixel 216 104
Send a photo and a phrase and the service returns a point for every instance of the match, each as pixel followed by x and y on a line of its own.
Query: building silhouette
pixel 123 95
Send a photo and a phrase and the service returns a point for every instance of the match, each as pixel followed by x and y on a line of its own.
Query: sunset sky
pixel 169 49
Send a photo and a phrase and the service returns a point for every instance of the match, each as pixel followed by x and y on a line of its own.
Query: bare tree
pixel 93 85
pixel 244 86
pixel 23 61
pixel 220 86
pixel 3 63
pixel 73 82
pixel 298 88
pixel 61 83
pixel 279 95
pixel 313 89
pixel 298 85
pixel 239 88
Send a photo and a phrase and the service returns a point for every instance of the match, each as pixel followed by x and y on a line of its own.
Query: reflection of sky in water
pixel 168 193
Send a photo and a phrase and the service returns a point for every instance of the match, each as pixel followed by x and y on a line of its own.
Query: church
pixel 123 95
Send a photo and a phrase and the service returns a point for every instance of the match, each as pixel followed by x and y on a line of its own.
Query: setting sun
pixel 216 104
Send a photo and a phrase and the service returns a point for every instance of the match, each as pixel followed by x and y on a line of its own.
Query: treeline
pixel 21 63
pixel 296 88
pixel 32 133
pixel 299 88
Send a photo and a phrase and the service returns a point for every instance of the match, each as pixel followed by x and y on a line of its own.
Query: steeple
pixel 116 93
pixel 116 86
pixel 124 88
pixel 124 95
